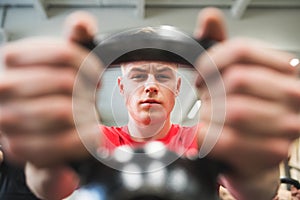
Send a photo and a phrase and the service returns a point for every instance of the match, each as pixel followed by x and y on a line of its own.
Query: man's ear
pixel 121 86
pixel 178 86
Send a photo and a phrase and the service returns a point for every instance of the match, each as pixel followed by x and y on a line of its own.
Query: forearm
pixel 262 186
pixel 51 183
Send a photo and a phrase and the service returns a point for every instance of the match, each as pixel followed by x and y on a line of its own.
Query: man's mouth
pixel 150 101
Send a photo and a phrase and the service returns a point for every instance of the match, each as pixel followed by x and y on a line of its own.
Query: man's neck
pixel 144 133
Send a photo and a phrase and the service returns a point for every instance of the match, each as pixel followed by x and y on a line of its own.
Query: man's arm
pixel 259 186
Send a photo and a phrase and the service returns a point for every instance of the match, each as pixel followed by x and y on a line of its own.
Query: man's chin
pixel 155 119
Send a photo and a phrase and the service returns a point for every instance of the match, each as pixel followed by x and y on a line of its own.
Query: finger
pixel 256 117
pixel 44 150
pixel 255 81
pixel 37 116
pixel 246 51
pixel 50 52
pixel 240 150
pixel 210 25
pixel 38 81
pixel 80 27
pixel 45 51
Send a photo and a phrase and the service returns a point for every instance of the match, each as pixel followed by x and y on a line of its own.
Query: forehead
pixel 148 65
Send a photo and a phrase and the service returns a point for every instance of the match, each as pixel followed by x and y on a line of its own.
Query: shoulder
pixel 183 137
pixel 115 136
pixel 187 131
pixel 111 129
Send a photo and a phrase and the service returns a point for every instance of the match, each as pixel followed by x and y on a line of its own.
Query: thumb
pixel 80 27
pixel 210 25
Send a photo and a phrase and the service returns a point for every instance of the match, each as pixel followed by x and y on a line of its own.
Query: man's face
pixel 149 89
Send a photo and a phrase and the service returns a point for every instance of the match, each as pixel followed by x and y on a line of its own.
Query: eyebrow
pixel 137 69
pixel 164 69
pixel 160 69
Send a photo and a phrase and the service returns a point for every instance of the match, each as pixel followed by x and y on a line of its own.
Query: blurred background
pixel 274 21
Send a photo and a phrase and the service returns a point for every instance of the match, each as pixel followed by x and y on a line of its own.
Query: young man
pixel 149 89
pixel 260 123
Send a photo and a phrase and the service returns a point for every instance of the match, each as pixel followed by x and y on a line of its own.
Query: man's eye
pixel 162 77
pixel 139 77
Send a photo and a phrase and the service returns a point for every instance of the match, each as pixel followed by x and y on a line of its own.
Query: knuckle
pixel 291 126
pixel 235 79
pixel 65 55
pixel 13 146
pixel 239 48
pixel 9 114
pixel 66 79
pixel 228 139
pixel 63 108
pixel 281 151
pixel 293 92
pixel 235 112
pixel 7 56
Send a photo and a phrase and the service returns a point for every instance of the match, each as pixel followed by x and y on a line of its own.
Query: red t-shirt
pixel 179 139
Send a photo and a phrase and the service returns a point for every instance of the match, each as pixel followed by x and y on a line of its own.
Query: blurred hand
pixel 262 98
pixel 36 94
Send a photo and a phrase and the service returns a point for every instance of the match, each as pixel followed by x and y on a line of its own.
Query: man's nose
pixel 151 85
pixel 151 88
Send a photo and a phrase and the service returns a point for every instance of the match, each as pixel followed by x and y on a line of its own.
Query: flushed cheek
pixel 132 90
pixel 132 101
pixel 169 99
pixel 171 87
pixel 131 95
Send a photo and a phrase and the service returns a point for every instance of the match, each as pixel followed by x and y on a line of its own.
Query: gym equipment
pixel 164 43
pixel 290 181
pixel 145 177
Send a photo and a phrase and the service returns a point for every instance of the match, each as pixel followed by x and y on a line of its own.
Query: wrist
pixel 262 186
pixel 53 183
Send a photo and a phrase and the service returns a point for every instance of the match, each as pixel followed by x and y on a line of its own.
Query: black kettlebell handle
pixel 157 43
